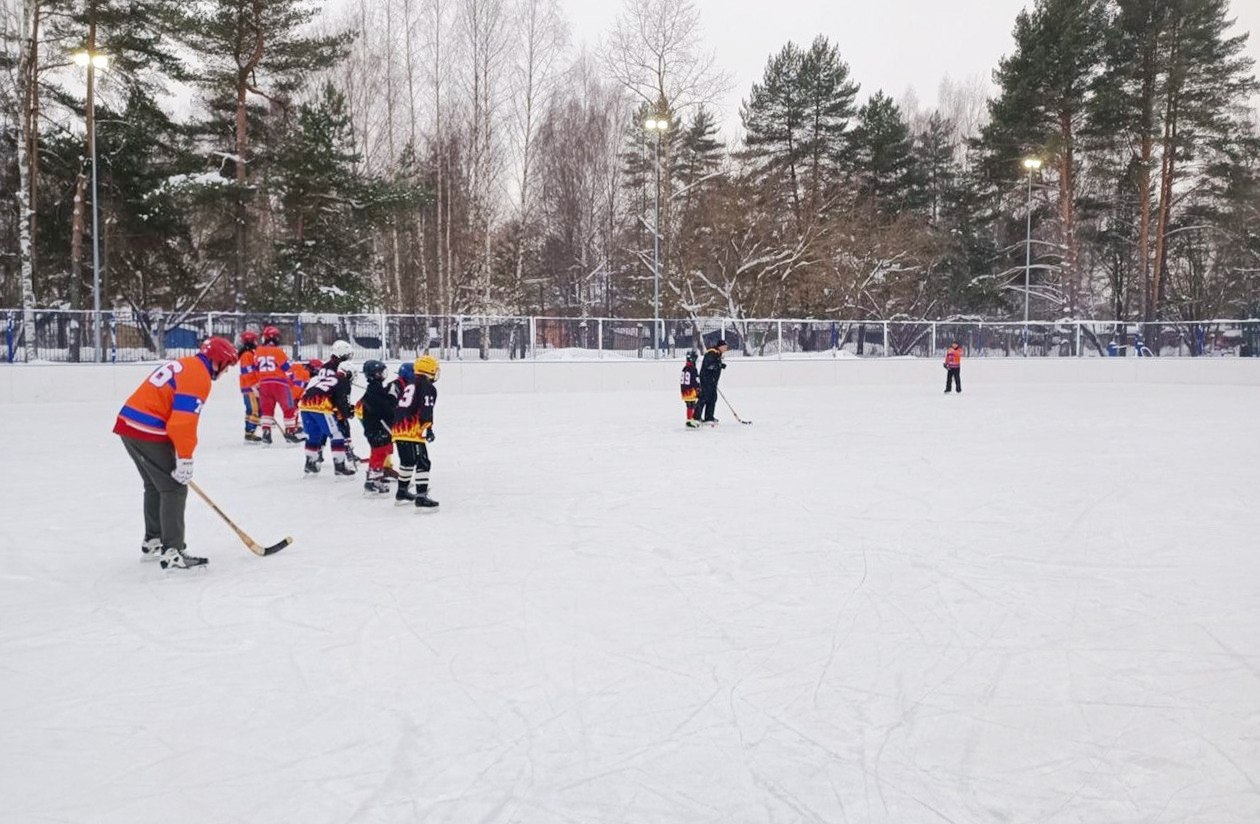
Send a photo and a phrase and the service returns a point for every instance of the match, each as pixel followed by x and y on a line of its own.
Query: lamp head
pixel 96 60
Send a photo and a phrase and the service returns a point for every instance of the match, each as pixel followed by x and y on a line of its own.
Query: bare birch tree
pixel 541 44
pixel 656 53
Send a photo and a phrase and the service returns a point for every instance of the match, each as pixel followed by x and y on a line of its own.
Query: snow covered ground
pixel 875 604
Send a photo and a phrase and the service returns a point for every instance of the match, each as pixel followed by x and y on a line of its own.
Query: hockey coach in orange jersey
pixel 158 427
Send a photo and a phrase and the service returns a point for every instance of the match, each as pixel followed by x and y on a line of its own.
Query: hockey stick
pixel 249 542
pixel 253 545
pixel 733 412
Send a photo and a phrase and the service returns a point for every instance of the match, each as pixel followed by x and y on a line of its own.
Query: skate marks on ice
pixel 881 613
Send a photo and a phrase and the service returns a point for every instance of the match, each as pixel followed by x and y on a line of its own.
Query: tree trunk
pixel 1147 140
pixel 76 265
pixel 28 167
pixel 1067 211
pixel 1167 171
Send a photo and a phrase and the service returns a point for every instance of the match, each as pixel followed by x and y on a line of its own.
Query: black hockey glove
pixel 723 365
pixel 430 436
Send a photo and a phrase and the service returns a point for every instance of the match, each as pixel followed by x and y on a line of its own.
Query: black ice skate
pixel 266 438
pixel 425 504
pixel 252 438
pixel 291 436
pixel 311 468
pixel 375 488
pixel 172 558
pixel 340 468
pixel 403 495
pixel 693 424
pixel 151 549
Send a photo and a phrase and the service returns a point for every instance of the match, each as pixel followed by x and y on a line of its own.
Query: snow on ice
pixel 1030 603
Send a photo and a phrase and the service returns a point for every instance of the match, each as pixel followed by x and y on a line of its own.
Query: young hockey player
pixel 375 411
pixel 396 388
pixel 953 367
pixel 158 426
pixel 327 395
pixel 690 383
pixel 413 431
pixel 710 372
pixel 301 374
pixel 275 386
pixel 249 384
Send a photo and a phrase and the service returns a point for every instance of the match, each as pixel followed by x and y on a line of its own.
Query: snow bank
pixel 20 383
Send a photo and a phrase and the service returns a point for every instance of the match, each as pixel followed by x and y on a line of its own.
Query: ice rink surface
pixel 875 604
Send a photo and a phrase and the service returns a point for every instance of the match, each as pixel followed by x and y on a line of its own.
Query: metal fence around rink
pixel 58 335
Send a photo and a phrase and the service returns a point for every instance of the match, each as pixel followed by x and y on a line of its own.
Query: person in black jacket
pixel 375 411
pixel 710 372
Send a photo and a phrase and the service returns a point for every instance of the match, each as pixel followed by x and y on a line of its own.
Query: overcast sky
pixel 888 44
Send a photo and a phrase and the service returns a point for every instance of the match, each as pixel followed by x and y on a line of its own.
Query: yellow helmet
pixel 428 365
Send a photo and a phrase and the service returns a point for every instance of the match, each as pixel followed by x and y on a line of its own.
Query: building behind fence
pixel 67 336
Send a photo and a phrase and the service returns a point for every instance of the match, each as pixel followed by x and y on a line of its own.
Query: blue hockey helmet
pixel 407 371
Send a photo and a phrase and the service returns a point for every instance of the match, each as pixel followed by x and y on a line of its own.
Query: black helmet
pixel 374 370
pixel 691 354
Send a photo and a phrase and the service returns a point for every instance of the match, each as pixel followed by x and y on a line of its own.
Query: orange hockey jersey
pixel 249 372
pixel 273 365
pixel 301 375
pixel 167 406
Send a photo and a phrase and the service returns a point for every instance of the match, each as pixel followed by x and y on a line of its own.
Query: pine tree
pixel 1041 106
pixel 140 41
pixel 697 158
pixel 887 176
pixel 935 149
pixel 1167 98
pixel 797 123
pixel 326 253
pixel 254 50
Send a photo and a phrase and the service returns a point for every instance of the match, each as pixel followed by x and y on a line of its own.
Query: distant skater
pixel 953 367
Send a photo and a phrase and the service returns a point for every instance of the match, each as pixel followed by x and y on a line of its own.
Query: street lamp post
pixel 93 61
pixel 1032 164
pixel 659 126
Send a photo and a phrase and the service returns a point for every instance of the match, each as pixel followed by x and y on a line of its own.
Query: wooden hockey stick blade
pixel 249 542
pixel 263 551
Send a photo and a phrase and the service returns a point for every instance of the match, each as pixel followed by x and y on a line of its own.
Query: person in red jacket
pixel 953 367
pixel 275 387
pixel 158 427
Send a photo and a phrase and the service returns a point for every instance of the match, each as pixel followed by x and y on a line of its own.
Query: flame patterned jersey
pixel 327 391
pixel 689 382
pixel 414 416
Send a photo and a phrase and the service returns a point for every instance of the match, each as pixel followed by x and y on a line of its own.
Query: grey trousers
pixel 164 497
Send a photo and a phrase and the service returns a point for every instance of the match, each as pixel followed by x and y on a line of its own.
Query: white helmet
pixel 346 369
pixel 342 349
